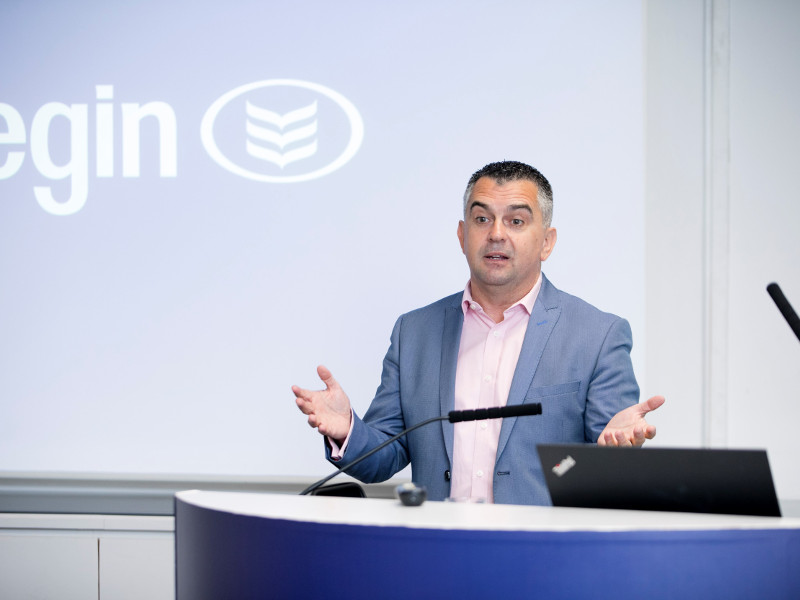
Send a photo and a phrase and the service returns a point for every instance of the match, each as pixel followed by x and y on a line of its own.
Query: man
pixel 510 337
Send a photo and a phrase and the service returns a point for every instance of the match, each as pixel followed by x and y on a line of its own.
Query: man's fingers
pixel 638 436
pixel 326 376
pixel 652 404
pixel 304 405
pixel 327 410
pixel 304 395
pixel 301 397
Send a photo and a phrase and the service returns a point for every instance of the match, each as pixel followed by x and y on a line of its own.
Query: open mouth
pixel 496 256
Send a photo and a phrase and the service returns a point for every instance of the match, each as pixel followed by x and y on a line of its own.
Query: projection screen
pixel 200 202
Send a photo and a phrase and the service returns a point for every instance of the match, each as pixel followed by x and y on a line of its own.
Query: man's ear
pixel 550 237
pixel 460 233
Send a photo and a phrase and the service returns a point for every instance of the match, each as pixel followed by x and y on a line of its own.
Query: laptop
pixel 736 482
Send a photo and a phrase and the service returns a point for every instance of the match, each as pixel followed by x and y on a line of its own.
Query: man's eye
pixel 517 222
pixel 481 220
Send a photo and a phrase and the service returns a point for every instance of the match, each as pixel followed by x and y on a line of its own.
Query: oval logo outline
pixel 351 112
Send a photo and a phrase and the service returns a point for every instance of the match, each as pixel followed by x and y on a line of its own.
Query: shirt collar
pixel 527 301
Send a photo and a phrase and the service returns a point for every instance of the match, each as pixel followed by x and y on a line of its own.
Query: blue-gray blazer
pixel 575 360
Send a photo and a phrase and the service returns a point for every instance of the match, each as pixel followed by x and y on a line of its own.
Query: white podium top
pixel 466 516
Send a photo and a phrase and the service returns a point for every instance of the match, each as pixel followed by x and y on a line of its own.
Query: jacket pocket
pixel 562 412
pixel 548 391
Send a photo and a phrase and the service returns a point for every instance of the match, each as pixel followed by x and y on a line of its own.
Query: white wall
pixel 723 79
pixel 674 184
pixel 763 354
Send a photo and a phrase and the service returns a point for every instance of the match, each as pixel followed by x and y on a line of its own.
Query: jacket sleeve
pixel 612 387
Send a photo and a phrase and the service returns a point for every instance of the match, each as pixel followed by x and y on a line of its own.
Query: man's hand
pixel 328 410
pixel 628 427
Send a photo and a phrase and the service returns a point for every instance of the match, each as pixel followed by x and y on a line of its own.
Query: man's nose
pixel 498 231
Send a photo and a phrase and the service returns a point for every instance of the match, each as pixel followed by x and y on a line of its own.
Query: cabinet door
pixel 45 566
pixel 136 567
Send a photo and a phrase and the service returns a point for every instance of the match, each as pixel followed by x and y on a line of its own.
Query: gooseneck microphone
pixel 497 412
pixel 454 416
pixel 786 309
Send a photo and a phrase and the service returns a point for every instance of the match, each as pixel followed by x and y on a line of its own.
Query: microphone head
pixel 411 494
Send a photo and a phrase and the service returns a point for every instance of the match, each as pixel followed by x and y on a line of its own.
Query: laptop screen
pixel 670 479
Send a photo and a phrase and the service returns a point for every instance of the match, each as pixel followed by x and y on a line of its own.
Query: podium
pixel 241 545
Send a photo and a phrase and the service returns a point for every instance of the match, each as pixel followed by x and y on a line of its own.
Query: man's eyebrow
pixel 513 207
pixel 510 208
pixel 478 204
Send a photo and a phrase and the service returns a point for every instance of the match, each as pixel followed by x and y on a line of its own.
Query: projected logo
pixel 282 130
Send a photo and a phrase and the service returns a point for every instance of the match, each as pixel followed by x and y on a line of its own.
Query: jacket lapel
pixel 544 316
pixel 451 339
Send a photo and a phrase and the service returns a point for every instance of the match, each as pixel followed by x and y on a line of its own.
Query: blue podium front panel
pixel 223 554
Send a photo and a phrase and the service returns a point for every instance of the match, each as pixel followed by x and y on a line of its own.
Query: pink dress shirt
pixel 487 358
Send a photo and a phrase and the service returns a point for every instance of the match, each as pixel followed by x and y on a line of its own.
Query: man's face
pixel 504 239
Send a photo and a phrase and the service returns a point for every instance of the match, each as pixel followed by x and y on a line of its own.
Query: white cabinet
pixel 62 557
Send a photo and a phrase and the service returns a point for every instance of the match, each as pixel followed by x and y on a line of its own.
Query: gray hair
pixel 509 170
